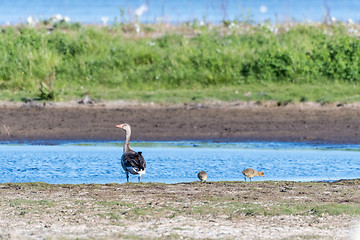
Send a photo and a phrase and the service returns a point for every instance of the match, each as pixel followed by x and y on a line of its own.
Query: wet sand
pixel 216 122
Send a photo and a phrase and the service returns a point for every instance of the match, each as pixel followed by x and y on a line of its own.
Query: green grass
pixel 302 63
pixel 280 92
pixel 331 92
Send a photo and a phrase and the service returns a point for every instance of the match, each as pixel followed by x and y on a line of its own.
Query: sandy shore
pixel 228 210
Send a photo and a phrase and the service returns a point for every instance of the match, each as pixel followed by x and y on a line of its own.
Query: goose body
pixel 250 173
pixel 202 175
pixel 131 161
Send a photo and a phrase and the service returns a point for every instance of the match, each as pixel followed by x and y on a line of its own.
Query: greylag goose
pixel 250 173
pixel 202 175
pixel 131 161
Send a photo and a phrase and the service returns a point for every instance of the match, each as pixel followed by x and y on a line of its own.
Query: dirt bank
pixel 224 122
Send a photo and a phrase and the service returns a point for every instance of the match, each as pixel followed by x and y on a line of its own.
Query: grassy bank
pixel 181 63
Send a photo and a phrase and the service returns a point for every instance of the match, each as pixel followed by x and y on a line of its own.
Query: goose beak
pixel 119 126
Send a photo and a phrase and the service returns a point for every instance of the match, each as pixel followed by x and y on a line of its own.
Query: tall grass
pixel 108 59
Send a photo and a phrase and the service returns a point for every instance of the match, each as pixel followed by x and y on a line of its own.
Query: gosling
pixel 250 173
pixel 202 175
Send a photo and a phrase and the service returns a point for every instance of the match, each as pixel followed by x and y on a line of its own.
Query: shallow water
pixel 172 162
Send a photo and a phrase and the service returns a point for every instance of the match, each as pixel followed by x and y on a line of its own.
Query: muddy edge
pixel 216 122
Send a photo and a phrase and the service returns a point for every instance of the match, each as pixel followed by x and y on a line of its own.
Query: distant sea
pixel 177 11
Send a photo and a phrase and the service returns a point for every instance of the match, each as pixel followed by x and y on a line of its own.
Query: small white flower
pixel 333 19
pixel 152 43
pixel 350 21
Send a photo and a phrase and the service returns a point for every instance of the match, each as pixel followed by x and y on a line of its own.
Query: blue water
pixel 91 11
pixel 178 162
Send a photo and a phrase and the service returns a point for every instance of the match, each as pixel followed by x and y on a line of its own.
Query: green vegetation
pixel 186 63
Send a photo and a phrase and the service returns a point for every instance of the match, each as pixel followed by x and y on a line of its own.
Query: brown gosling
pixel 202 175
pixel 250 173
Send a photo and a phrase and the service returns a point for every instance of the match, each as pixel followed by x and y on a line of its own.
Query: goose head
pixel 124 126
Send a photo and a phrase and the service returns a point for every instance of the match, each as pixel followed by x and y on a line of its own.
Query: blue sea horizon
pixel 153 11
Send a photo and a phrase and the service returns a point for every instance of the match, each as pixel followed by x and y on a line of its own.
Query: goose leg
pixel 127 176
pixel 245 179
pixel 139 177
